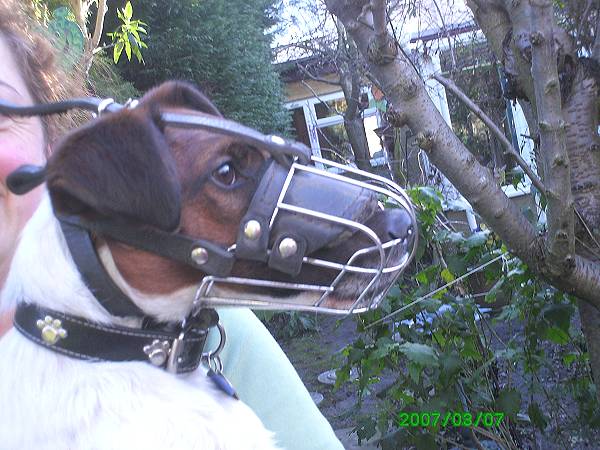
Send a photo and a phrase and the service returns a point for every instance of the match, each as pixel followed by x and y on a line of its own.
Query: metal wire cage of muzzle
pixel 382 262
pixel 383 265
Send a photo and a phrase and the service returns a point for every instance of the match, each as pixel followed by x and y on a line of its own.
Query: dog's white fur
pixel 48 400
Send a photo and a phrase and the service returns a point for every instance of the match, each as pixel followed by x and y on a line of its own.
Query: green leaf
pixel 384 347
pixel 419 353
pixel 470 350
pixel 447 276
pixel 558 316
pixel 509 402
pixel 117 50
pixel 556 335
pixel 128 11
pixel 428 275
pixel 569 358
pixel 537 416
pixel 414 372
pixel 450 363
pixel 365 428
pixel 128 49
pixel 477 239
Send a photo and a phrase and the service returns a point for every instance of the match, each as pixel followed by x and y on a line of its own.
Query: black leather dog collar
pixel 178 351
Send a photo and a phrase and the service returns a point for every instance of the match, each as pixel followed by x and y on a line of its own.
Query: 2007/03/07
pixel 450 418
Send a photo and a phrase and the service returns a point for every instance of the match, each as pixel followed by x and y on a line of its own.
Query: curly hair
pixel 36 58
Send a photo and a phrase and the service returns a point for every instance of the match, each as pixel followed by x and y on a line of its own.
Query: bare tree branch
pixel 406 90
pixel 99 26
pixel 544 71
pixel 449 84
pixel 306 72
pixel 596 46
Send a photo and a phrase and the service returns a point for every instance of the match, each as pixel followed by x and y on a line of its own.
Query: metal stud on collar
pixel 157 352
pixel 52 330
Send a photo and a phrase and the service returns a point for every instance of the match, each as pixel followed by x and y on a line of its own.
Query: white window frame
pixel 313 124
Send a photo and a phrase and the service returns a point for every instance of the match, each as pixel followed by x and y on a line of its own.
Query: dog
pixel 132 167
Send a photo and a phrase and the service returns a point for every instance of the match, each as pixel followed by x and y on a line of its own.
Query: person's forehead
pixel 12 85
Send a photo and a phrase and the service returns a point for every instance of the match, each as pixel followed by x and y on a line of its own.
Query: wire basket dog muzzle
pixel 303 207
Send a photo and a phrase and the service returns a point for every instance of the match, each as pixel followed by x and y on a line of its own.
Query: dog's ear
pixel 179 93
pixel 116 166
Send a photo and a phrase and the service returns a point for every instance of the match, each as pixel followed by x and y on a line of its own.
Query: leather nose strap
pixel 311 191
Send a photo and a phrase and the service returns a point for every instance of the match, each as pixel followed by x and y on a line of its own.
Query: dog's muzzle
pixel 302 210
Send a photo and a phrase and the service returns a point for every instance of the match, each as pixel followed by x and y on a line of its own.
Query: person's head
pixel 29 75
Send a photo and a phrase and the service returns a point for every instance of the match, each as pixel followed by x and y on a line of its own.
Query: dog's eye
pixel 225 174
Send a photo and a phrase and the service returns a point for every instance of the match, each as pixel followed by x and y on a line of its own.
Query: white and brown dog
pixel 128 167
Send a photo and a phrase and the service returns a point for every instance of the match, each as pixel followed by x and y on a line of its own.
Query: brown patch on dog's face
pixel 218 177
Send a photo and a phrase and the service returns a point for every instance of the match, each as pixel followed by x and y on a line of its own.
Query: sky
pixel 302 19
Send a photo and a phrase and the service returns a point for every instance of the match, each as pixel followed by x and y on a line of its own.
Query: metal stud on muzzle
pixel 299 215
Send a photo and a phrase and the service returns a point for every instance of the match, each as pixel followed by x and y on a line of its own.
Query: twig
pixel 435 291
pixel 306 72
pixel 585 225
pixel 452 87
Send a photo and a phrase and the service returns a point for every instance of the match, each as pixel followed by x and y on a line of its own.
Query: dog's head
pixel 132 167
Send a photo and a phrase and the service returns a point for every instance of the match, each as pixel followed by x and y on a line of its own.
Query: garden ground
pixel 316 352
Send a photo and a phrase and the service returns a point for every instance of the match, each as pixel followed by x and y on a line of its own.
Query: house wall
pixel 302 90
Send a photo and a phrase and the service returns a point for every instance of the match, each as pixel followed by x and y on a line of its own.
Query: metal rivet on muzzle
pixel 199 255
pixel 277 140
pixel 288 247
pixel 252 230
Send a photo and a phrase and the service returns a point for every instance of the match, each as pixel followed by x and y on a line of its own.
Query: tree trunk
pixel 590 318
pixel 355 128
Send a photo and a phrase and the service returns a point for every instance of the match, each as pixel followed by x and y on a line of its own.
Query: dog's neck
pixel 43 272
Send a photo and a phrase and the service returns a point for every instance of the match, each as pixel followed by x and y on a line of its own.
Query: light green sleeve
pixel 267 382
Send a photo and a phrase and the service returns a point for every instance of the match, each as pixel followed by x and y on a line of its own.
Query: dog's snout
pixel 399 225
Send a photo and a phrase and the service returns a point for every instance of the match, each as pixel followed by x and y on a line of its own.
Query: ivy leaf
pixel 419 353
pixel 414 372
pixel 569 358
pixel 365 428
pixel 556 335
pixel 558 316
pixel 537 416
pixel 428 275
pixel 476 240
pixel 450 363
pixel 384 348
pixel 447 276
pixel 509 402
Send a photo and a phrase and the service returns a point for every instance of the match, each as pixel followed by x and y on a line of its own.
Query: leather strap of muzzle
pixel 313 192
pixel 217 260
pixel 94 275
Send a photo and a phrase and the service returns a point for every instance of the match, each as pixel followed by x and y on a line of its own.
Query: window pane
pixel 330 108
pixel 373 140
pixel 300 128
pixel 334 143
